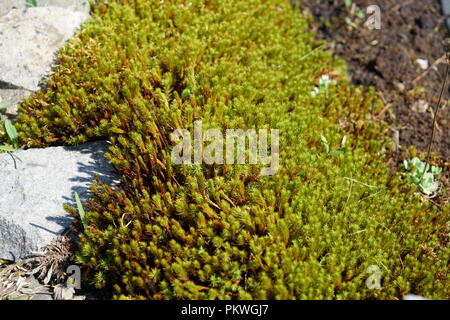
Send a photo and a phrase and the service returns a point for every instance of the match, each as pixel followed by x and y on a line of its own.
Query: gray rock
pixel 11 93
pixel 78 5
pixel 445 7
pixel 29 39
pixel 41 296
pixel 12 97
pixel 16 286
pixel 35 184
pixel 410 296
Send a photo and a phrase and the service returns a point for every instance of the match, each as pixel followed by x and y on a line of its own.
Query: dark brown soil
pixel 387 59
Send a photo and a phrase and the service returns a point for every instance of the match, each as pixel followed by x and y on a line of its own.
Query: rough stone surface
pixel 9 92
pixel 445 5
pixel 77 5
pixel 35 184
pixel 29 39
pixel 13 97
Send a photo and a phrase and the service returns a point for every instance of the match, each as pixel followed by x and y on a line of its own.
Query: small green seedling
pixel 324 83
pixel 31 3
pixel 13 137
pixel 326 146
pixel 358 14
pixel 427 183
pixel 81 210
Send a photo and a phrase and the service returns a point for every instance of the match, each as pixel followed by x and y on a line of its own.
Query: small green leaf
pixel 186 93
pixel 81 210
pixel 360 15
pixel 31 3
pixel 406 164
pixel 429 187
pixel 325 143
pixel 12 133
pixel 348 3
pixel 436 170
pixel 337 152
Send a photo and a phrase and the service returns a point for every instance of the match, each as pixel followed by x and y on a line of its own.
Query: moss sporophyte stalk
pixel 140 69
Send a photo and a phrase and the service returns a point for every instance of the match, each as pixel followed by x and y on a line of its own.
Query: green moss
pixel 141 69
